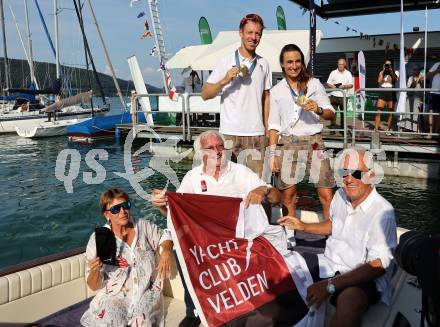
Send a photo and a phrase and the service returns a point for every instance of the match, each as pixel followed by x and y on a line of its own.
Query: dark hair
pixel 251 18
pixel 390 60
pixel 108 196
pixel 304 75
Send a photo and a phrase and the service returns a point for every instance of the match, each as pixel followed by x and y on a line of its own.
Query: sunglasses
pixel 251 17
pixel 355 173
pixel 117 207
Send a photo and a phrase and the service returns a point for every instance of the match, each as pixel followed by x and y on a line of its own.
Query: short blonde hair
pixel 108 196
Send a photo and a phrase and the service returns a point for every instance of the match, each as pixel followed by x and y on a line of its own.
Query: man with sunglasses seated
pixel 355 269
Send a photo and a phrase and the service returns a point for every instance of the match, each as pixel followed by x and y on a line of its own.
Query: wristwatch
pixel 331 289
pixel 320 111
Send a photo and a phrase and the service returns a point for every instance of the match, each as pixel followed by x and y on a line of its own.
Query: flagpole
pixel 401 105
pixel 424 59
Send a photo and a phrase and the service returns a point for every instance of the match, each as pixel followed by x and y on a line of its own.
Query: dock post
pixel 117 134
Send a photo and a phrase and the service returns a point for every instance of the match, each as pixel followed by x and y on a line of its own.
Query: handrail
pixel 158 95
pixel 347 128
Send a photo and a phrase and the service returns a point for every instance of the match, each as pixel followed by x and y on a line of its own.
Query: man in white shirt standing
pixel 339 78
pixel 243 79
pixel 355 269
pixel 434 76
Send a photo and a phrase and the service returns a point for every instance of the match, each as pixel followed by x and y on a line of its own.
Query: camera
pixel 419 255
pixel 387 66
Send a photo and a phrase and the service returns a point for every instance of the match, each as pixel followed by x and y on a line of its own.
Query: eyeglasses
pixel 217 147
pixel 355 173
pixel 117 207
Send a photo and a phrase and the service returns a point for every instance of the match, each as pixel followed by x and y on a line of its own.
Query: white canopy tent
pixel 206 57
pixel 184 57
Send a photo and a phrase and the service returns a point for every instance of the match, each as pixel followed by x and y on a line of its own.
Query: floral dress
pixel 132 292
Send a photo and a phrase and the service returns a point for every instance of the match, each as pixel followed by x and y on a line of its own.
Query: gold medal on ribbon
pixel 244 70
pixel 302 100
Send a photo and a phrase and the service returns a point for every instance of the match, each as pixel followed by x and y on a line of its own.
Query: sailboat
pixel 22 109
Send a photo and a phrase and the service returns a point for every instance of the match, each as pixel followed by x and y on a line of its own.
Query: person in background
pixel 297 127
pixel 387 79
pixel 356 268
pixel 415 81
pixel 339 78
pixel 130 292
pixel 192 83
pixel 133 106
pixel 243 78
pixel 434 76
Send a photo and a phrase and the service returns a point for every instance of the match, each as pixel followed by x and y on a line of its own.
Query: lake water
pixel 38 217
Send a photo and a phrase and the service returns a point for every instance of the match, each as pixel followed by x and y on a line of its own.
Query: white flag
pixel 401 105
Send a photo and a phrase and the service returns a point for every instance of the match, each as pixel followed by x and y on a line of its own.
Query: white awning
pixel 206 57
pixel 183 58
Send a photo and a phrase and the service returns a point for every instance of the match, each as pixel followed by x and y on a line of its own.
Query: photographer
pixel 387 79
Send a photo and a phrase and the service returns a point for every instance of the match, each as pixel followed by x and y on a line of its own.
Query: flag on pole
pixel 362 74
pixel 401 105
pixel 172 92
pixel 281 18
pixel 205 31
pixel 153 51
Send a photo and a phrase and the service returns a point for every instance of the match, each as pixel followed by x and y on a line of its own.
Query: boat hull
pixel 99 127
pixel 47 129
pixel 29 120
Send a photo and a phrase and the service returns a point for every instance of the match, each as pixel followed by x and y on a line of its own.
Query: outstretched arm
pixel 293 223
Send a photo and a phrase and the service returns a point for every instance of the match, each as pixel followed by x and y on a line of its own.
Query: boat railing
pixel 357 106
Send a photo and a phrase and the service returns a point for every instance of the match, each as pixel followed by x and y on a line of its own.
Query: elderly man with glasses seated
pixel 129 282
pixel 219 176
pixel 355 269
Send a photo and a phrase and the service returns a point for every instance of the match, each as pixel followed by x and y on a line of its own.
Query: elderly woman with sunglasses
pixel 129 293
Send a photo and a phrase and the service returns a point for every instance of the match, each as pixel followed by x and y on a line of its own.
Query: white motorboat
pixel 54 292
pixel 66 109
pixel 47 128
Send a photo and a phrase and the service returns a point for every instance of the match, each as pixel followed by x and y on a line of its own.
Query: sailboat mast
pixel 31 58
pixel 5 48
pixel 107 57
pixel 57 48
pixel 89 53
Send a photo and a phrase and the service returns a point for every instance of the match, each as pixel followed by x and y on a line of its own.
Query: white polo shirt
pixel 360 235
pixel 343 77
pixel 288 118
pixel 236 181
pixel 436 79
pixel 241 108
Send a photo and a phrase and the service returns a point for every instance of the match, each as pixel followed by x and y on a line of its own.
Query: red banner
pixel 234 280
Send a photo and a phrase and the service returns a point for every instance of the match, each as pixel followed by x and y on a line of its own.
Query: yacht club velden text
pixel 214 279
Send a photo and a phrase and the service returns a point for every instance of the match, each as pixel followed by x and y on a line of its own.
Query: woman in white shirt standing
pixel 297 104
pixel 387 79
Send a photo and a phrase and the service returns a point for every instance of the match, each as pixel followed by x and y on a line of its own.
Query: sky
pixel 121 28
